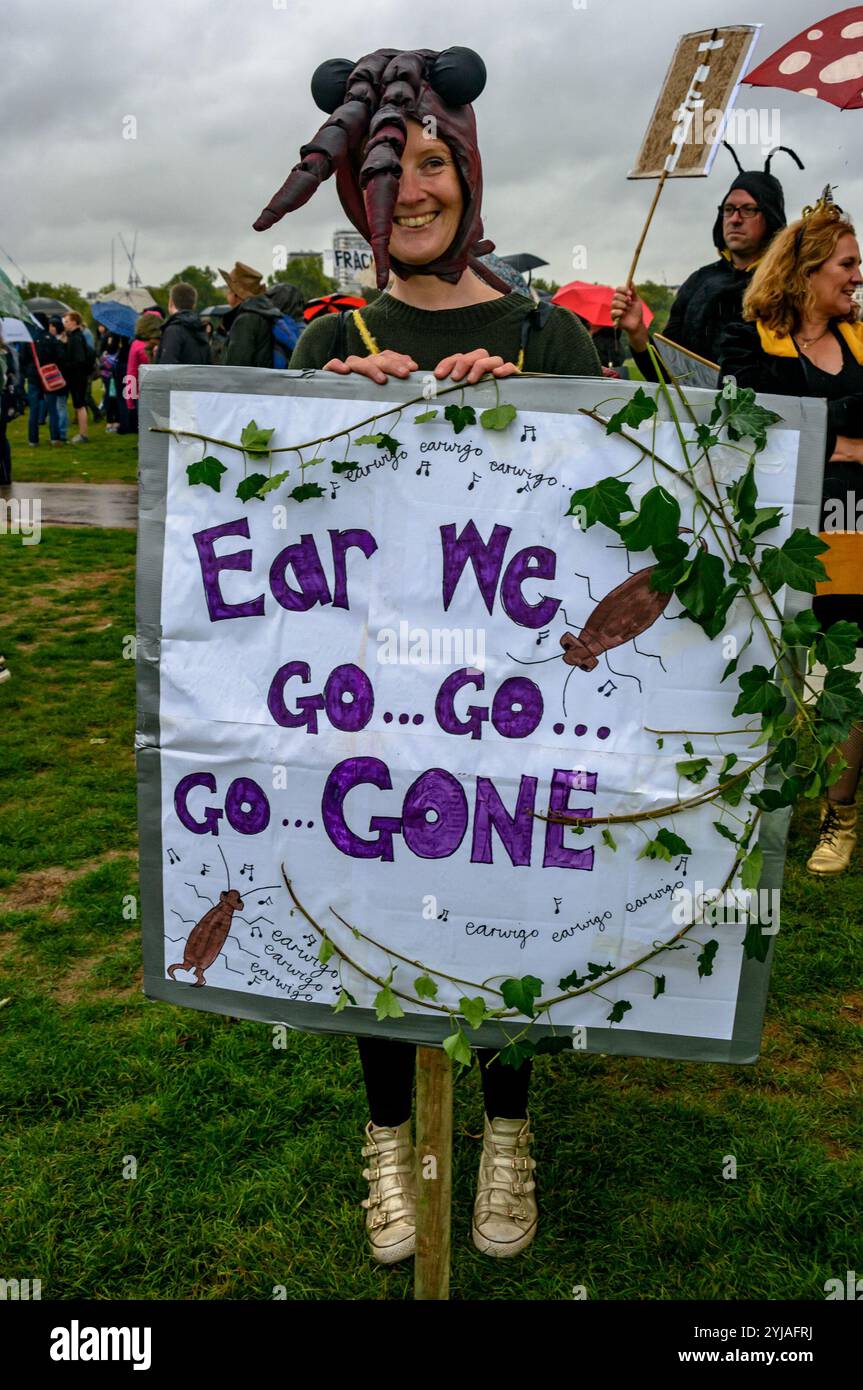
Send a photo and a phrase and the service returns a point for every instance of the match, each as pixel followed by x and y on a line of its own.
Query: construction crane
pixel 134 280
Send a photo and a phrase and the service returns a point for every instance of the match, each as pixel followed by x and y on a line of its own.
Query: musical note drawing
pixel 309 940
pixel 255 931
pixel 477 477
pixel 262 902
pixel 173 857
pixel 248 869
pixel 424 466
pixel 602 690
pixel 205 869
pixel 542 636
pixel 334 487
pixel 443 915
pixel 557 903
pixel 528 430
pixel 684 860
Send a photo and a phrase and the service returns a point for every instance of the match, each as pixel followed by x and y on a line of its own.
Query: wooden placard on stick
pixel 692 109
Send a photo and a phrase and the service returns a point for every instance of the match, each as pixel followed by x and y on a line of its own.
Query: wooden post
pixel 660 184
pixel 434 1174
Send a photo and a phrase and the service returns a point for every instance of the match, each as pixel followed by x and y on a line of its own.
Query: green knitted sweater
pixel 563 347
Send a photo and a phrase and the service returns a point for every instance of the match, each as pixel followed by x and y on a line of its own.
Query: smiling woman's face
pixel 430 204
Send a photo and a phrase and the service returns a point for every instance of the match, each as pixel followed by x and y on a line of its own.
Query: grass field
pixel 248 1158
pixel 108 458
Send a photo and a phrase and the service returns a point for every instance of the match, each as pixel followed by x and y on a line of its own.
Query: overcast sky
pixel 219 90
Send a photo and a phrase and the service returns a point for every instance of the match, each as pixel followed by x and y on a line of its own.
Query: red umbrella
pixel 824 60
pixel 331 304
pixel 592 302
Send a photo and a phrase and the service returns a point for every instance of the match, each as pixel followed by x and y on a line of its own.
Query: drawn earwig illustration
pixel 207 938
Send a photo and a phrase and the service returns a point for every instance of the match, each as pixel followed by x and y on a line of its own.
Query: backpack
pixel 286 331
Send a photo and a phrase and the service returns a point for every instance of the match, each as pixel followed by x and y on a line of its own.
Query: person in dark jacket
pixel 748 218
pixel 79 363
pixel 184 338
pixel 802 337
pixel 252 319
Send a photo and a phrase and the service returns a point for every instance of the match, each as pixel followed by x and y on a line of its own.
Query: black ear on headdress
pixel 733 154
pixel 785 150
pixel 458 76
pixel 329 81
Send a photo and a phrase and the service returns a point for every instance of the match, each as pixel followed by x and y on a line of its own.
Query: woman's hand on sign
pixel 847 450
pixel 376 367
pixel 470 366
pixel 627 314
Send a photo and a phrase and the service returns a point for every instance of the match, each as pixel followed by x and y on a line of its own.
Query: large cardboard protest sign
pixel 387 688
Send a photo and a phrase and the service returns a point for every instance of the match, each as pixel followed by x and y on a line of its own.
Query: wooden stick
pixel 660 184
pixel 434 1174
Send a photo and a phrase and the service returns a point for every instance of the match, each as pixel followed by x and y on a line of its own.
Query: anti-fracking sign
pixel 358 711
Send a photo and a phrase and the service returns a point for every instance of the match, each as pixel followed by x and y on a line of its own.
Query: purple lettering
pixel 485 556
pixel 556 855
pixel 210 824
pixel 517 707
pixel 303 558
pixel 354 772
pixel 246 807
pixel 309 704
pixel 212 564
pixel 535 562
pixel 341 542
pixel 349 714
pixel 514 830
pixel 435 814
pixel 445 711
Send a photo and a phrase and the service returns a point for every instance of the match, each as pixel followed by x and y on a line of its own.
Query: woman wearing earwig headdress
pixel 401 141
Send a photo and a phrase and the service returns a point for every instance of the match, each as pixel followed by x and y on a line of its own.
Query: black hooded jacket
pixel 184 340
pixel 250 332
pixel 712 297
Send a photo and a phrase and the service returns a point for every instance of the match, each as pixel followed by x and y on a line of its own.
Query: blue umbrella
pixel 117 318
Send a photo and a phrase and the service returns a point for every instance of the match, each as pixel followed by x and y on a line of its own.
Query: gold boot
pixel 504 1213
pixel 391 1205
pixel 837 839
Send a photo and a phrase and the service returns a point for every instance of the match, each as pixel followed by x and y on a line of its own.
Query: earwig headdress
pixel 374 99
pixel 762 185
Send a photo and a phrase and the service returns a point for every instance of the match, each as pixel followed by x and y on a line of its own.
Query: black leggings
pixel 388 1068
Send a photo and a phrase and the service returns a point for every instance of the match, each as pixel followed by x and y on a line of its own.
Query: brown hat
pixel 243 280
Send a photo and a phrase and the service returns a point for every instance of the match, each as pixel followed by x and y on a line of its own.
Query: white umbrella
pixel 14 331
pixel 139 300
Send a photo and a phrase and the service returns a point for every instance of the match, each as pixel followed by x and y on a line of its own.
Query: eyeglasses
pixel 746 211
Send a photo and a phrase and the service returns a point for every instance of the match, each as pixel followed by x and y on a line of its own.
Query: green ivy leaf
pixel 839 705
pixel 457 1048
pixel 665 846
pixel 758 694
pixel 207 471
pixel 327 950
pixel 305 491
pixel 572 981
pixel 553 1045
pixel 694 769
pixel 516 1053
pixel 474 1010
pixel 368 439
pixel 726 831
pixel 391 445
pixel 673 566
pixel 387 1006
pixel 838 645
pixel 498 417
pixel 608 838
pixel 746 419
pixel 688 747
pixel 701 590
pixel 732 665
pixel 250 486
pixel 750 869
pixel 602 502
pixel 784 754
pixel 656 522
pixel 639 408
pixel 344 465
pixel 756 943
pixel 658 985
pixel 705 437
pixel 425 417
pixel 620 1008
pixel 254 440
pixel 794 563
pixel 459 416
pixel 520 994
pixel 727 764
pixel 743 495
pixel 802 630
pixel 425 987
pixel 277 479
pixel 765 519
pixel 733 795
pixel 343 999
pixel 705 958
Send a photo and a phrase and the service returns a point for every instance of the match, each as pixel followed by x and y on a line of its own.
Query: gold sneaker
pixel 391 1205
pixel 504 1213
pixel 837 839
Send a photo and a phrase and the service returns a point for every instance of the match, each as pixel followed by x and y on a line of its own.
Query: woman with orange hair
pixel 802 337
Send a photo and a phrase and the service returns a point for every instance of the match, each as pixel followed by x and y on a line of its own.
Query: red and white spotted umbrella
pixel 824 60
